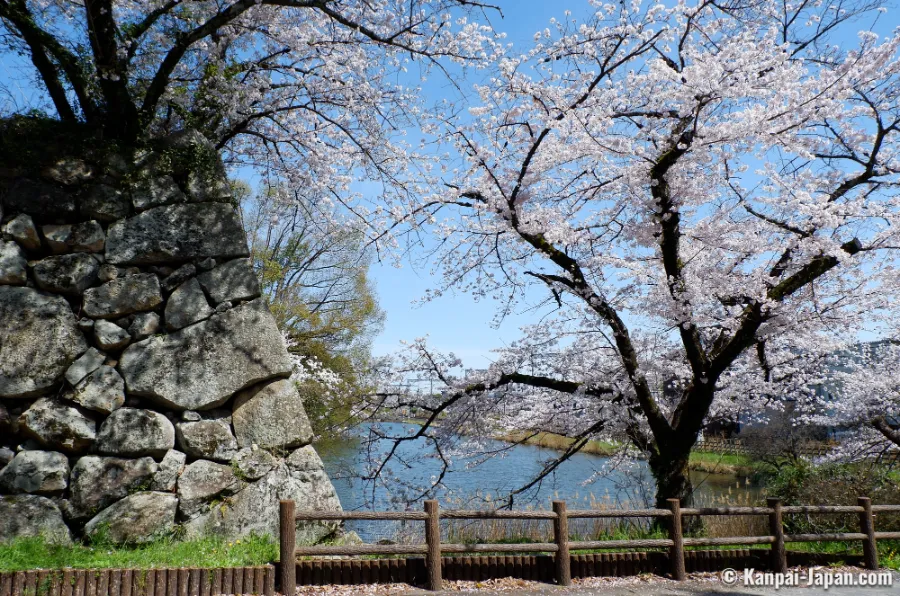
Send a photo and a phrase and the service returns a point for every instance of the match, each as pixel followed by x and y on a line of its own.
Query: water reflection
pixel 612 483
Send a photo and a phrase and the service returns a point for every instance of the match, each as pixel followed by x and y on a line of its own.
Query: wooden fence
pixel 738 447
pixel 562 560
pixel 140 582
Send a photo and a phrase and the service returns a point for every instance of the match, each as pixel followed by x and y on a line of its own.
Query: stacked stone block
pixel 143 381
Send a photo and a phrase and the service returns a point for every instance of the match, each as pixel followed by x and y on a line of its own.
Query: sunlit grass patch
pixel 36 553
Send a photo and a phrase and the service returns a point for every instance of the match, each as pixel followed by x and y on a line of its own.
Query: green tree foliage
pixel 313 269
pixel 801 482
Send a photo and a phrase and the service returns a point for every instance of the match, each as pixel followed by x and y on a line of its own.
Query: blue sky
pixel 456 322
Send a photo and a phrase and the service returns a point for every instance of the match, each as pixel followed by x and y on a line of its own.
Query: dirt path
pixel 699 584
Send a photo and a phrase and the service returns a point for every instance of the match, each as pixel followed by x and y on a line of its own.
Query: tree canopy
pixel 305 88
pixel 314 272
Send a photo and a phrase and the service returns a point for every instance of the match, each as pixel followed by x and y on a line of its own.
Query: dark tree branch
pixel 46 69
pixel 111 71
pixel 891 433
pixel 17 13
pixel 669 219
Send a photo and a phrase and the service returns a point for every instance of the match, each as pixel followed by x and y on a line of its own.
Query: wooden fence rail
pixel 433 548
pixel 738 447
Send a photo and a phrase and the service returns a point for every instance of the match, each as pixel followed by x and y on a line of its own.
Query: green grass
pixel 722 463
pixel 35 553
pixel 888 550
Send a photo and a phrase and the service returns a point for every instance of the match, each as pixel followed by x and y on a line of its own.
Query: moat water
pixel 584 481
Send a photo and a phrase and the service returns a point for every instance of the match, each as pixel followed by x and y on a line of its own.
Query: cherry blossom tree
pixel 859 396
pixel 307 89
pixel 705 194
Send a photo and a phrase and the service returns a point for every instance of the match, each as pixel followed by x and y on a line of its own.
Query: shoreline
pixel 709 462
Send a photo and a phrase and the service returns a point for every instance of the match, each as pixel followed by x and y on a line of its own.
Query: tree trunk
pixel 673 481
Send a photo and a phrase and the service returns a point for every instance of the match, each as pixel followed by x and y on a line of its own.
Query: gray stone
pixel 176 232
pixel 201 482
pixel 231 281
pixel 101 391
pixel 170 468
pixel 67 274
pixel 105 203
pixel 161 271
pixel 203 169
pixel 38 472
pixel 304 459
pixel 44 202
pixel 271 417
pixel 209 439
pixel 69 171
pixel 254 509
pixel 207 264
pixel 85 365
pixel 38 341
pixel 220 308
pixel 252 463
pixel 208 186
pixel 58 426
pixel 124 322
pixel 141 517
pixel 6 455
pixel 189 138
pixel 21 229
pixel 191 416
pixel 57 237
pixel 178 277
pixel 187 305
pixel 98 482
pixel 132 432
pixel 201 366
pixel 23 516
pixel 115 165
pixel 155 190
pixel 109 336
pixel 88 237
pixel 144 325
pixel 12 264
pixel 108 272
pixel 85 324
pixel 83 237
pixel 123 296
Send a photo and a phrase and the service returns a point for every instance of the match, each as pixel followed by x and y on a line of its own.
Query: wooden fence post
pixel 676 552
pixel 561 538
pixel 776 528
pixel 867 527
pixel 287 520
pixel 433 541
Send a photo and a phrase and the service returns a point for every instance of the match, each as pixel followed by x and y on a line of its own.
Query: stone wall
pixel 143 381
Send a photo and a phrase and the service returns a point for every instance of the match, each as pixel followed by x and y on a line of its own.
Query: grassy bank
pixel 723 463
pixel 701 461
pixel 559 442
pixel 35 553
